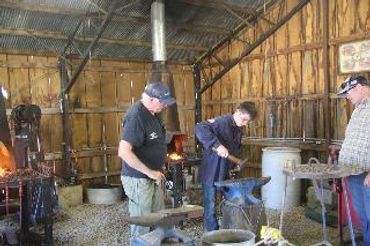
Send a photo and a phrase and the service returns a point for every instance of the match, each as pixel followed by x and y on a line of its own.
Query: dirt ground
pixel 89 224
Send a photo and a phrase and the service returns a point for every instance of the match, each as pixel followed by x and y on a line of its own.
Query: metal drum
pixel 273 161
pixel 234 237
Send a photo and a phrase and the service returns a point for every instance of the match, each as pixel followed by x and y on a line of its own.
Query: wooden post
pixel 198 99
pixel 67 137
pixel 326 98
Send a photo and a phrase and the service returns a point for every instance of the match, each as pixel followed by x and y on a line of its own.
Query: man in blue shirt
pixel 143 151
pixel 220 137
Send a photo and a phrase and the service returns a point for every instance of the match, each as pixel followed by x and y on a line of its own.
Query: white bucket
pixel 234 237
pixel 273 160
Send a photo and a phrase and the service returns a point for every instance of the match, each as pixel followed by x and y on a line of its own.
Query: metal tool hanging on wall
pixel 105 159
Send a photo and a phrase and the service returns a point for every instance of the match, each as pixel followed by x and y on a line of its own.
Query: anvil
pixel 164 221
pixel 240 191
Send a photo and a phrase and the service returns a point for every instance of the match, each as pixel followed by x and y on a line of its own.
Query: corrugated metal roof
pixel 192 26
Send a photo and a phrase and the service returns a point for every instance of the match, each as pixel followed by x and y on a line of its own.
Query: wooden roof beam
pixel 255 14
pixel 219 4
pixel 60 36
pixel 231 11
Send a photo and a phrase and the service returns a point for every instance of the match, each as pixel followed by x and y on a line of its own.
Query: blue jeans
pixel 145 196
pixel 209 203
pixel 360 196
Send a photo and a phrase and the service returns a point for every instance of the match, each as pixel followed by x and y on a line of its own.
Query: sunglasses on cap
pixel 351 83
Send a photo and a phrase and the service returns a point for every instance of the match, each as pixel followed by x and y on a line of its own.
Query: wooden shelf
pixel 318 145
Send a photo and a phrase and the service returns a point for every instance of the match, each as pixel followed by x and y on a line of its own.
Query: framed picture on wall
pixel 354 57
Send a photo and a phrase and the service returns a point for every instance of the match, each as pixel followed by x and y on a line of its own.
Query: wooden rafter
pixel 255 14
pixel 246 11
pixel 221 4
pixel 216 4
pixel 106 40
pixel 234 13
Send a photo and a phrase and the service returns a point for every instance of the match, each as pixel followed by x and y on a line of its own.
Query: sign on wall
pixel 354 57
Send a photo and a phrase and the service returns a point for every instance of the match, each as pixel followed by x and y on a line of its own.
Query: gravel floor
pixel 105 225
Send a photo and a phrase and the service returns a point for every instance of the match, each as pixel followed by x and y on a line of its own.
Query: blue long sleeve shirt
pixel 221 130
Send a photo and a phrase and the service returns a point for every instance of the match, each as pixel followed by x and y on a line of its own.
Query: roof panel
pixel 192 26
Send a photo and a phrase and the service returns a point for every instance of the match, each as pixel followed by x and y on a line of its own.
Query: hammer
pixel 241 163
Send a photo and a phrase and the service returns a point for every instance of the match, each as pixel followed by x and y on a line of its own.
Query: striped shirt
pixel 355 149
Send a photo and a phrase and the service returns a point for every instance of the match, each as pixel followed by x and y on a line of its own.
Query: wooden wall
pixel 99 98
pixel 285 74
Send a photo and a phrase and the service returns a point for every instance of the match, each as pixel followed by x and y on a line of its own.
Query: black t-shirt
pixel 147 135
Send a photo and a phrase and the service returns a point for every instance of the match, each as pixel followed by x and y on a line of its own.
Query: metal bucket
pixel 104 193
pixel 234 237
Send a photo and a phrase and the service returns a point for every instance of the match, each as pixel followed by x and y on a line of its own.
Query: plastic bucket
pixel 235 237
pixel 273 160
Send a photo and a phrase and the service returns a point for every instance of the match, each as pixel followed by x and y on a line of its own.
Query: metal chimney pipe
pixel 160 71
pixel 158 31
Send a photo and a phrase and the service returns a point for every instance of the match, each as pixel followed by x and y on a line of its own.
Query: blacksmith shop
pixel 185 122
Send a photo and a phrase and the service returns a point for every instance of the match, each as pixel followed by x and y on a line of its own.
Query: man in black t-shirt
pixel 143 151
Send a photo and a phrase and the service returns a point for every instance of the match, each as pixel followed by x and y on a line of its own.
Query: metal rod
pixel 337 141
pixel 71 37
pixel 84 176
pixel 323 210
pixel 326 106
pixel 198 100
pixel 97 6
pixel 348 211
pixel 105 159
pixel 231 11
pixel 7 198
pixel 340 208
pixel 320 195
pixel 67 138
pixel 20 193
pixel 257 43
pixel 283 204
pixel 255 14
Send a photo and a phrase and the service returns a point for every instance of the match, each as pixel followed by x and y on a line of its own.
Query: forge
pixel 180 167
pixel 27 187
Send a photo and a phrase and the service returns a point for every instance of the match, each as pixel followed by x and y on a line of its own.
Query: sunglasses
pixel 350 84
